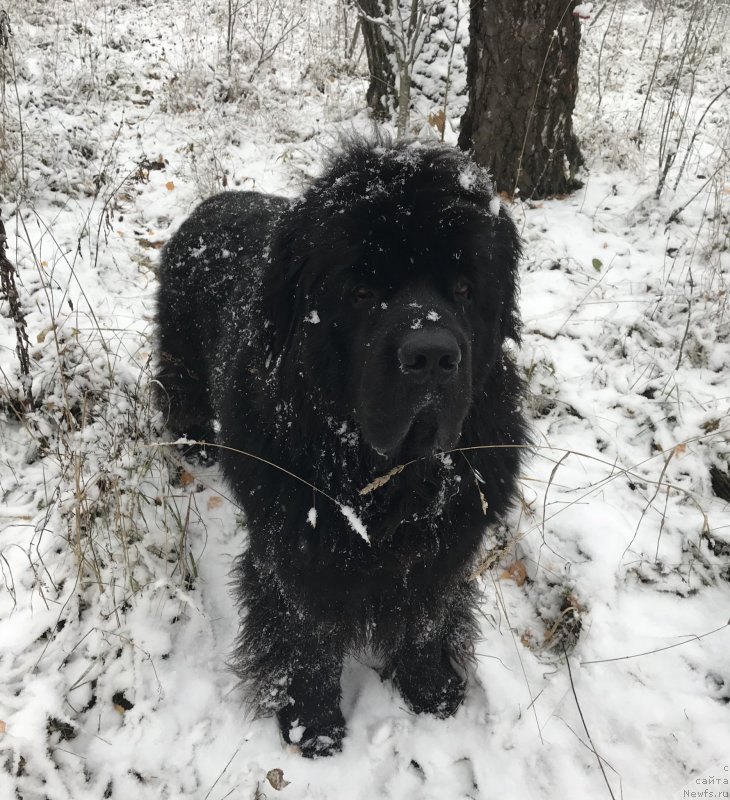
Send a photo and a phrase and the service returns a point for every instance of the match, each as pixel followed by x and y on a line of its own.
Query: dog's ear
pixel 508 253
pixel 498 248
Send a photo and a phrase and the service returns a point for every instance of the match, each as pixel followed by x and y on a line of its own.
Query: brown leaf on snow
pixel 515 572
pixel 186 478
pixel 276 778
pixel 214 502
pixel 3 726
pixel 41 337
pixel 149 244
pixel 169 186
pixel 527 639
pixel 437 119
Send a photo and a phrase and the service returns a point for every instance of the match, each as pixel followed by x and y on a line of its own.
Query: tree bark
pixel 522 72
pixel 381 95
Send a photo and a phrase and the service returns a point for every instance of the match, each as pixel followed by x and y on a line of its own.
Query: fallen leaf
pixel 276 778
pixel 214 502
pixel 437 119
pixel 169 186
pixel 186 478
pixel 382 480
pixel 515 572
pixel 3 726
pixel 142 242
pixel 41 337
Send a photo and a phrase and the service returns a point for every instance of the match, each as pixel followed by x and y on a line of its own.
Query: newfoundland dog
pixel 348 340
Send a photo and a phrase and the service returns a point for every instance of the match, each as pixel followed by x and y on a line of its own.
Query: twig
pixel 651 501
pixel 600 54
pixel 585 727
pixel 555 468
pixel 498 590
pixel 693 638
pixel 674 216
pixel 223 772
pixel 202 443
pixel 696 133
pixel 9 290
pixel 689 318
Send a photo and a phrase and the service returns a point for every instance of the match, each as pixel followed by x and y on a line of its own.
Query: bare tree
pixel 267 24
pixel 233 9
pixel 394 32
pixel 523 79
pixel 5 30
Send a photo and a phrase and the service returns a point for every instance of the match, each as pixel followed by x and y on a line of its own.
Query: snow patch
pixel 355 522
pixel 296 732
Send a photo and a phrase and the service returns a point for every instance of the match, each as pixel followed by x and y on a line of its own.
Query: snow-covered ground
pixel 115 614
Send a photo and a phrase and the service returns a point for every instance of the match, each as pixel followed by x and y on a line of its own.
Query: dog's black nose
pixel 429 356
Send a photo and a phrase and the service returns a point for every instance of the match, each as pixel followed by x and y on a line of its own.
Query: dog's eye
pixel 462 291
pixel 362 295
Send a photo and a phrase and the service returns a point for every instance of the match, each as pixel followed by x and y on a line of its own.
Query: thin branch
pixel 693 638
pixel 585 727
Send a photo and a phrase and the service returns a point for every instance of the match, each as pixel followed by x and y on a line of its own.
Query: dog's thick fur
pixel 339 335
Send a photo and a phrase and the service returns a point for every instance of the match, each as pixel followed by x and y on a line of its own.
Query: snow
pixel 115 554
pixel 355 522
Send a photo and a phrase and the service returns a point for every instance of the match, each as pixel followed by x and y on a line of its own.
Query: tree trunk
pixel 381 94
pixel 522 72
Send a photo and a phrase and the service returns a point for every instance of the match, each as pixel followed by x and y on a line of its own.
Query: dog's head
pixel 391 290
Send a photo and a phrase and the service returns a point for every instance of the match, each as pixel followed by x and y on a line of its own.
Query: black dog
pixel 354 330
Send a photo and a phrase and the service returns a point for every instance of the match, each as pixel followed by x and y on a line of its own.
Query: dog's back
pixel 214 255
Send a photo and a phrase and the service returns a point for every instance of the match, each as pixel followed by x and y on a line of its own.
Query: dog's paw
pixel 437 690
pixel 323 742
pixel 314 741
